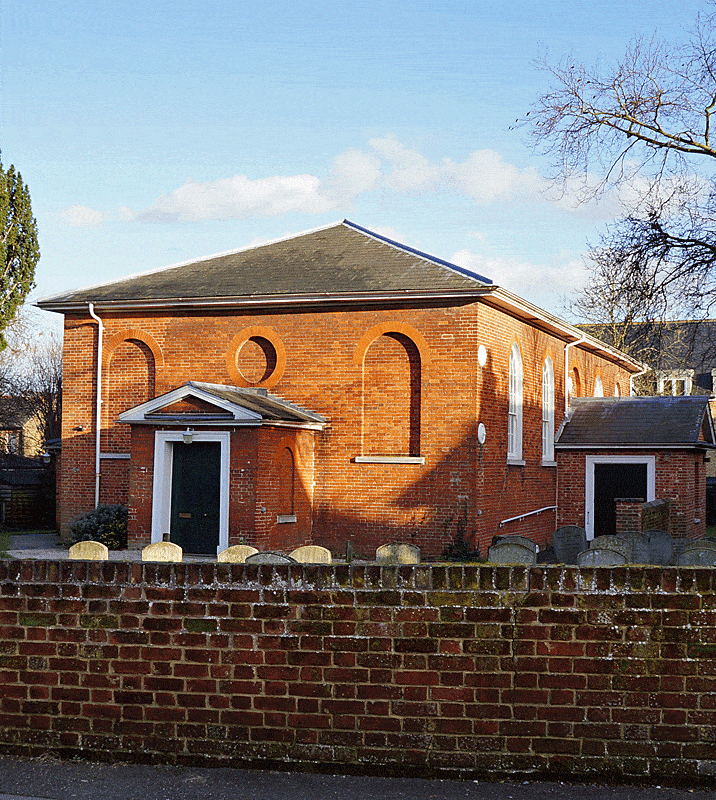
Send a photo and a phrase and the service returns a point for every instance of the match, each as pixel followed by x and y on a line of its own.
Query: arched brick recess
pixel 391 396
pixel 408 331
pixel 112 342
pixel 129 379
pixel 274 371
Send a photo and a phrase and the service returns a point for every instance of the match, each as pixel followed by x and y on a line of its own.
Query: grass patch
pixel 4 544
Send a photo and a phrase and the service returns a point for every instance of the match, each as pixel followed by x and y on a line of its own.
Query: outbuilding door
pixel 612 477
pixel 196 471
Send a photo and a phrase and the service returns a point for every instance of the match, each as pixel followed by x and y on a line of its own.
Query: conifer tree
pixel 19 249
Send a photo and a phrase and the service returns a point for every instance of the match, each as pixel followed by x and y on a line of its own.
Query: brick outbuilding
pixel 342 387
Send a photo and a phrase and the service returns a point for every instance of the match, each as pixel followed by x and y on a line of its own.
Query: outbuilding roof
pixel 636 422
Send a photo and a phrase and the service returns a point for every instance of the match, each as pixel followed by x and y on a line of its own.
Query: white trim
pixel 389 459
pixel 162 483
pixel 548 395
pixel 590 461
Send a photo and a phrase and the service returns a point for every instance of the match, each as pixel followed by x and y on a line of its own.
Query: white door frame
pixel 162 485
pixel 650 462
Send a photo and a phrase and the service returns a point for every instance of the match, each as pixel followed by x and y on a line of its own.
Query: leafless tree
pixel 642 129
pixel 31 374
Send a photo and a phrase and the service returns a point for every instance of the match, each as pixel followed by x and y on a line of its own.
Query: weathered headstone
pixel 601 557
pixel 612 543
pixel 162 551
pixel 397 553
pixel 661 547
pixel 638 547
pixel 236 554
pixel 312 554
pixel 270 557
pixel 697 557
pixel 89 551
pixel 569 542
pixel 510 539
pixel 689 544
pixel 511 553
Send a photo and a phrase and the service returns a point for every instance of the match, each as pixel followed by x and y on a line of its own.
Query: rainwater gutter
pixel 566 370
pixel 98 406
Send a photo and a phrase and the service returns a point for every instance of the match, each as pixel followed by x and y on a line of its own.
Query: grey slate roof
pixel 268 405
pixel 626 422
pixel 341 259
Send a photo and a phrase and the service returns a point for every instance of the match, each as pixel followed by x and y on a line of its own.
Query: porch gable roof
pixel 216 404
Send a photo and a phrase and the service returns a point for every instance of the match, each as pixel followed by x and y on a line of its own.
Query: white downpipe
pixel 636 375
pixel 98 407
pixel 566 370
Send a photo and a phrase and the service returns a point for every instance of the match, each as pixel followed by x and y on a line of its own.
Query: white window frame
pixel 679 375
pixel 162 484
pixel 650 462
pixel 548 412
pixel 514 407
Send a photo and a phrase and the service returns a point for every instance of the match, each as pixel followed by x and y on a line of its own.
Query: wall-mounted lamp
pixel 188 436
pixel 46 458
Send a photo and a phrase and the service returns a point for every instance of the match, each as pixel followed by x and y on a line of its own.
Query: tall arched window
pixel 514 409
pixel 548 410
pixel 598 387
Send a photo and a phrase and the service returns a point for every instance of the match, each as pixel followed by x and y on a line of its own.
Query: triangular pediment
pixel 197 403
pixel 190 403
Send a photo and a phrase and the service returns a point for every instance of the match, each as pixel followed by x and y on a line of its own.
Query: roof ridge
pixel 421 254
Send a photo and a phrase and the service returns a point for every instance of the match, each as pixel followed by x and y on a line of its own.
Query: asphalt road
pixel 51 779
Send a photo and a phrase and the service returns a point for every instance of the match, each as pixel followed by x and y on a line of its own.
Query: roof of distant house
pixel 629 422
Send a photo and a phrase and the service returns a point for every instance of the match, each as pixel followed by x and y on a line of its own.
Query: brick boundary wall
pixel 428 669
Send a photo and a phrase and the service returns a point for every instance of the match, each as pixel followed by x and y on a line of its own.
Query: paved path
pixel 50 779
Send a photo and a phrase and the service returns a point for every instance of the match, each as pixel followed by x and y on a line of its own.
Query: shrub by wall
pixel 459 670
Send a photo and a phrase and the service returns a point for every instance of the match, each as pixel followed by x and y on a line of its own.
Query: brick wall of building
pixel 331 363
pixel 679 478
pixel 492 670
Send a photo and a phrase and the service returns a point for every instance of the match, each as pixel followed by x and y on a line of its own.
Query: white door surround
pixel 162 484
pixel 650 462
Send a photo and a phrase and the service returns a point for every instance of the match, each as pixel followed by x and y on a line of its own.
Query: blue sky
pixel 152 132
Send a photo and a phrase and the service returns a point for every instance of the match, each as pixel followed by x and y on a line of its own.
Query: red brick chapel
pixel 328 388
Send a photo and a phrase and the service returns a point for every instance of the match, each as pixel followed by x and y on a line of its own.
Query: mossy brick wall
pixel 436 669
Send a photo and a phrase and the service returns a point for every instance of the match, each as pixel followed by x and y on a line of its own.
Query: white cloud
pixel 82 215
pixel 239 197
pixel 411 171
pixel 547 286
pixel 354 173
pixel 486 177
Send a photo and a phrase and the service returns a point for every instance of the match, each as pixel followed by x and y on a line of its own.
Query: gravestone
pixel 236 554
pixel 397 553
pixel 312 554
pixel 638 547
pixel 601 557
pixel 569 541
pixel 270 557
pixel 697 557
pixel 511 553
pixel 612 543
pixel 523 540
pixel 162 551
pixel 689 544
pixel 89 551
pixel 661 547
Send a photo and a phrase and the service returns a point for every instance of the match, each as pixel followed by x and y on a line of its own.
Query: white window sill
pixel 548 463
pixel 389 459
pixel 515 462
pixel 286 518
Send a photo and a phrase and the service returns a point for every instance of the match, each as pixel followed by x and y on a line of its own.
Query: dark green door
pixel 612 481
pixel 195 496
